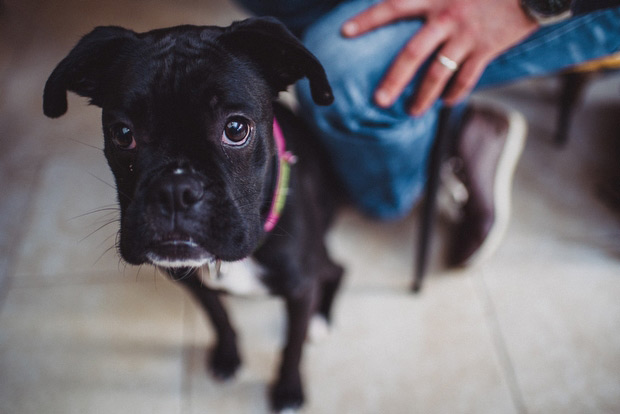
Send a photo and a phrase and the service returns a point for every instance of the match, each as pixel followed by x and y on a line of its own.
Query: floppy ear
pixel 84 71
pixel 281 57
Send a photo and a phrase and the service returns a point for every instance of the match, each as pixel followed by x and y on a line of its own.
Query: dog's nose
pixel 179 192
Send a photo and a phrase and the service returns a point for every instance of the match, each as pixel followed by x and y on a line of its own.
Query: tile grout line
pixel 499 342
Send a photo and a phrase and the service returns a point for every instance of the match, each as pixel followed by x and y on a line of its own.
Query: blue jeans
pixel 379 154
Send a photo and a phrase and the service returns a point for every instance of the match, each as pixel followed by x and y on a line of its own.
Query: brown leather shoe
pixel 487 151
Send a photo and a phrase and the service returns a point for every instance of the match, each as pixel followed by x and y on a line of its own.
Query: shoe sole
pixel 502 187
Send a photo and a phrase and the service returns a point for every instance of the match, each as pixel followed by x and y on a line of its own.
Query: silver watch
pixel 546 12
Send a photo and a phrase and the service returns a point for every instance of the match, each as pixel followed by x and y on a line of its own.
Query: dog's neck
pixel 285 159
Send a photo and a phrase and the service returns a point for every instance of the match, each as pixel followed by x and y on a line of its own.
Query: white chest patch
pixel 243 277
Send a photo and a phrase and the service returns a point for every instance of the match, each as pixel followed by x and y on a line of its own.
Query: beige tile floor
pixel 534 330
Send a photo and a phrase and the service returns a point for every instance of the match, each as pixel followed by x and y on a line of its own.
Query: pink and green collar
pixel 286 158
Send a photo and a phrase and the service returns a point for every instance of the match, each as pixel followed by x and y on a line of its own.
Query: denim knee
pixel 380 155
pixel 295 14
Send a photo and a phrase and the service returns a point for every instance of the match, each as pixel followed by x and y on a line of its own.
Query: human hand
pixel 471 33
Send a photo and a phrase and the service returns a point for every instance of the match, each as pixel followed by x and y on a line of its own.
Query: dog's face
pixel 187 120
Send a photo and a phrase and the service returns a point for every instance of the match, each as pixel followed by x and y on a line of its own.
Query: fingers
pixel 439 74
pixel 447 32
pixel 379 15
pixel 439 79
pixel 465 80
pixel 408 62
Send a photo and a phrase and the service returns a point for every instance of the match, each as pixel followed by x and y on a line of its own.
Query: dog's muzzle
pixel 174 201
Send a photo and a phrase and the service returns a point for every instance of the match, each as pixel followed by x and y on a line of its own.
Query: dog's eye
pixel 237 131
pixel 122 136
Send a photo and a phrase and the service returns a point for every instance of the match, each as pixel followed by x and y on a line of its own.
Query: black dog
pixel 201 172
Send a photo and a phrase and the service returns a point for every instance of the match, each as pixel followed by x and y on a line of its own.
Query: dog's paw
pixel 289 411
pixel 224 362
pixel 287 397
pixel 318 329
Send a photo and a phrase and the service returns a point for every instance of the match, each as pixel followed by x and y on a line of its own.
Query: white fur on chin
pixel 175 263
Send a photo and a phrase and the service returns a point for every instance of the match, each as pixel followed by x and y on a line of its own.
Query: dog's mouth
pixel 176 251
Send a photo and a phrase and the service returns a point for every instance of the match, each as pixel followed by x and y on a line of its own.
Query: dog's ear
pixel 281 57
pixel 85 70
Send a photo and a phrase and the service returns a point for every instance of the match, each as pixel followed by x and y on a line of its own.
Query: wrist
pixel 547 12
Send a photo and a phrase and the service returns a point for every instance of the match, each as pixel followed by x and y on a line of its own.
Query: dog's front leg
pixel 287 392
pixel 224 359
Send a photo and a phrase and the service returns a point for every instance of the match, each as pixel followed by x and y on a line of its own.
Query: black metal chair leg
pixel 573 86
pixel 438 154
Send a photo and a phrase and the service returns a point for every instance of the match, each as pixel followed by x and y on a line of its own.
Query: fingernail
pixel 382 98
pixel 350 29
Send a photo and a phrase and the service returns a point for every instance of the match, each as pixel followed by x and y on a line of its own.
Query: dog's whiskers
pixel 123 263
pixel 245 200
pixel 109 185
pixel 115 247
pixel 104 253
pixel 138 272
pixel 110 208
pixel 185 274
pixel 85 144
pixel 107 239
pixel 99 228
